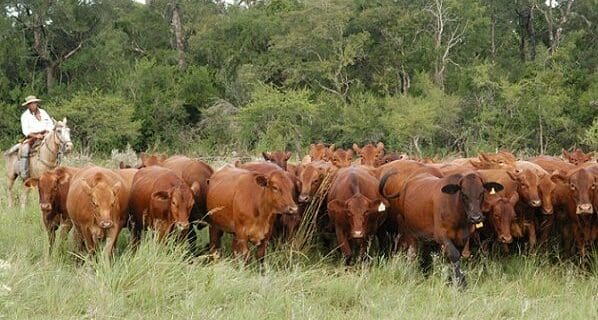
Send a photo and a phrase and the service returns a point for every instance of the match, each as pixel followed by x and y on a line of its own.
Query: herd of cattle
pixel 411 205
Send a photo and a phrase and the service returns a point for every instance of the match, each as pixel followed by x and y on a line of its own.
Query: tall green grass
pixel 161 281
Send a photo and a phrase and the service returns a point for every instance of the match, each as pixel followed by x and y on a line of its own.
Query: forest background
pixel 425 77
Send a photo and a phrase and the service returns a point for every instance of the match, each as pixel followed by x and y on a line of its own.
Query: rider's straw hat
pixel 30 99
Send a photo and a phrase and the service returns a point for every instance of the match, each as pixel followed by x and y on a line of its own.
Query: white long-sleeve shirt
pixel 30 124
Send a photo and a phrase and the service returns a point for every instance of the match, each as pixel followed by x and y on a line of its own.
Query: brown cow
pixel 388 158
pixel 355 208
pixel 320 152
pixel 578 203
pixel 501 216
pixel 53 187
pixel 444 210
pixel 278 157
pixel 193 171
pixel 341 158
pixel 311 177
pixel 369 154
pixel 97 205
pixel 499 160
pixel 246 203
pixel 286 224
pixel 577 157
pixel 160 200
pixel 146 160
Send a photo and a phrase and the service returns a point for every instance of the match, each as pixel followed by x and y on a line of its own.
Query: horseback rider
pixel 35 124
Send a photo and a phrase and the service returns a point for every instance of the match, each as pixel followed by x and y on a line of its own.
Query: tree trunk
pixel 532 34
pixel 178 34
pixel 493 35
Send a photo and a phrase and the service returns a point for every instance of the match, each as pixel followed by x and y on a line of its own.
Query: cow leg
pixel 89 240
pixel 111 237
pixel 466 253
pixel 425 258
pixel 66 227
pixel 344 244
pixel 532 238
pixel 546 227
pixel 454 256
pixel 241 248
pixel 261 250
pixel 215 237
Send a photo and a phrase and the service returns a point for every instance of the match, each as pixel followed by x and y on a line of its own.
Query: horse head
pixel 62 134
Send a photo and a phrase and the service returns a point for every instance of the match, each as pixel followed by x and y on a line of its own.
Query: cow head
pixel 582 184
pixel 311 177
pixel 369 154
pixel 123 165
pixel 278 157
pixel 500 160
pixel 176 203
pixel 527 182
pixel 279 191
pixel 320 151
pixel 471 189
pixel 546 190
pixel 104 199
pixel 146 160
pixel 363 214
pixel 501 213
pixel 577 157
pixel 389 158
pixel 49 185
pixel 342 158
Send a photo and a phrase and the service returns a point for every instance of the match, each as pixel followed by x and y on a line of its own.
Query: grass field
pixel 161 282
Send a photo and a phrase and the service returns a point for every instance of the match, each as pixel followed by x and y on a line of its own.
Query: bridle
pixel 59 152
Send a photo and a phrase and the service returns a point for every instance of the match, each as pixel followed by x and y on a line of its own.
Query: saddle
pixel 33 150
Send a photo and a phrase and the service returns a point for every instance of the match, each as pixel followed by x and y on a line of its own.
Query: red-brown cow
pixel 501 217
pixel 97 205
pixel 369 154
pixel 320 152
pixel 193 171
pixel 53 187
pixel 278 157
pixel 311 177
pixel 579 200
pixel 341 158
pixel 388 158
pixel 161 201
pixel 246 203
pixel 355 208
pixel 577 157
pixel 444 210
pixel 146 160
pixel 287 224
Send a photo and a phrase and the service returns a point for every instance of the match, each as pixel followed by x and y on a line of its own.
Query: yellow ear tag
pixel 492 191
pixel 481 224
pixel 381 207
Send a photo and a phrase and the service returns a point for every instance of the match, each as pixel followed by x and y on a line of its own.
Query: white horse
pixel 47 158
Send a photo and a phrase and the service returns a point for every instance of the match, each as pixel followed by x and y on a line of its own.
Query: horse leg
pixel 11 182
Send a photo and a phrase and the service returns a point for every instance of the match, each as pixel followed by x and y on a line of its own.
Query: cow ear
pixel 195 188
pixel 63 177
pixel 476 164
pixel 514 174
pixel 380 147
pixel 350 153
pixel 306 160
pixel 451 188
pixel 161 196
pixel 566 154
pixel 336 206
pixel 117 187
pixel 287 155
pixel 493 186
pixel 31 183
pixel 162 157
pixel 484 156
pixel 332 147
pixel 558 175
pixel 356 148
pixel 378 205
pixel 261 180
pixel 237 163
pixel 266 156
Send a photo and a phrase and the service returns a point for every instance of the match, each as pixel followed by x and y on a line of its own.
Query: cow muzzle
pixel 357 234
pixel 535 203
pixel 476 218
pixel 585 208
pixel 291 210
pixel 303 198
pixel 181 226
pixel 45 206
pixel 106 224
pixel 505 239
